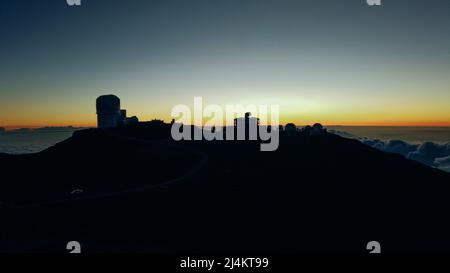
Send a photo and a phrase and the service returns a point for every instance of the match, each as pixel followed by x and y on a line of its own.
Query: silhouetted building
pixel 132 120
pixel 250 123
pixel 108 111
pixel 123 116
pixel 247 120
pixel 2 130
pixel 317 129
pixel 306 130
pixel 157 121
pixel 290 127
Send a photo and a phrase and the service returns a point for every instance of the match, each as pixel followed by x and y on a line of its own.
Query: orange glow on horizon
pixel 384 124
pixel 298 123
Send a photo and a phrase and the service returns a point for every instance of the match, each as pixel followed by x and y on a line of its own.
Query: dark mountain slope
pixel 314 194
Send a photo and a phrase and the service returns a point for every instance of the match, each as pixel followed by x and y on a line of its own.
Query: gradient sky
pixel 335 62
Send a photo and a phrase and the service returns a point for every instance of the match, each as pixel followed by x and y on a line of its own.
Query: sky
pixel 328 61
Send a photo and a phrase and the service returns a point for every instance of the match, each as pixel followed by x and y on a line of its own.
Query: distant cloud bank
pixel 429 153
pixel 26 141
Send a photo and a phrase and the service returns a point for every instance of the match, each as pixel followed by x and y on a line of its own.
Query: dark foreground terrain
pixel 143 192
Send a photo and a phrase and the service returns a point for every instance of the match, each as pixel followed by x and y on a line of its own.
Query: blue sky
pixel 336 62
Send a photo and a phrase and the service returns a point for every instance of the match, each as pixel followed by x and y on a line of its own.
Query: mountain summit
pixel 138 190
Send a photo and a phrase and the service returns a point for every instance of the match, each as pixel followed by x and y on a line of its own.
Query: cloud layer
pixel 432 154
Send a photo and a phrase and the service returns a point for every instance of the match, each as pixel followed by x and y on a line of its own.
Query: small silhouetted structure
pixel 250 123
pixel 123 115
pixel 290 127
pixel 248 119
pixel 156 122
pixel 2 130
pixel 317 130
pixel 306 130
pixel 133 120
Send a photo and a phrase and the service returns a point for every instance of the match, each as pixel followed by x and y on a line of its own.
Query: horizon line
pixel 424 125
